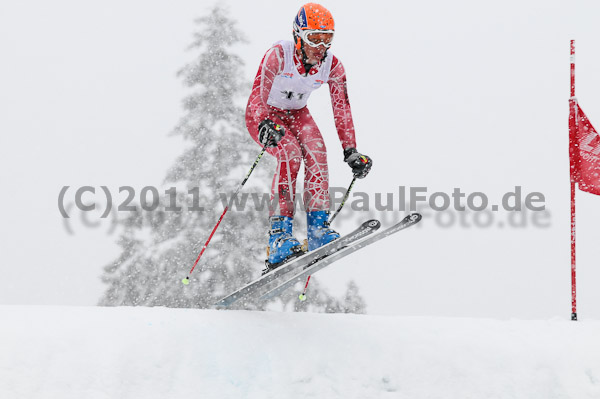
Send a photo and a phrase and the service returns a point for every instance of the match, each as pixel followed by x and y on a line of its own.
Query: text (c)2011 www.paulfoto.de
pixel 411 199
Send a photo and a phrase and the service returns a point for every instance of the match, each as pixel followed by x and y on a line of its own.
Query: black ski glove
pixel 360 164
pixel 270 133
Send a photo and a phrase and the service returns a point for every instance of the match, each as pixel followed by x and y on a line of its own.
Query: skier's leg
pixel 289 160
pixel 316 179
pixel 282 244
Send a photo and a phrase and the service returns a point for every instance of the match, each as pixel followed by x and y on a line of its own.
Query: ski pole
pixel 186 280
pixel 302 296
pixel 343 200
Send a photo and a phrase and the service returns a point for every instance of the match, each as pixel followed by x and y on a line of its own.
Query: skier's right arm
pixel 272 65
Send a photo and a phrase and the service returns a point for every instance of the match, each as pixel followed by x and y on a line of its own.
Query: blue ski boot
pixel 319 232
pixel 282 245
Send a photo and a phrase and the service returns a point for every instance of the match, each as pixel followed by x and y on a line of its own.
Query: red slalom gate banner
pixel 584 155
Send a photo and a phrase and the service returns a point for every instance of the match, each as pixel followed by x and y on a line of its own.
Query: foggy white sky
pixel 462 94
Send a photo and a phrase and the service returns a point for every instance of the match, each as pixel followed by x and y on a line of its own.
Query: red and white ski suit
pixel 302 141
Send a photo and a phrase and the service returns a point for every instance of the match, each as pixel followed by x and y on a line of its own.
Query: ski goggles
pixel 313 39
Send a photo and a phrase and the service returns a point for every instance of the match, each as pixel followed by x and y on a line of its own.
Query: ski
pixel 303 261
pixel 309 270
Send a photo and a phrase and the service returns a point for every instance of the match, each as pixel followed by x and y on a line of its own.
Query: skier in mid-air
pixel 277 116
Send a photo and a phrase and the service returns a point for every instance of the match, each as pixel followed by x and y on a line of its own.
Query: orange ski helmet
pixel 312 18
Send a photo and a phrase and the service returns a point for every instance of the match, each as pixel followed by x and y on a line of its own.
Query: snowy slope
pixel 88 352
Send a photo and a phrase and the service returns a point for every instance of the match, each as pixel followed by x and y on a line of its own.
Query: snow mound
pixel 93 352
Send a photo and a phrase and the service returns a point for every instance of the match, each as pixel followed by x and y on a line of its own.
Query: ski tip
pixel 372 224
pixel 414 217
pixel 185 281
